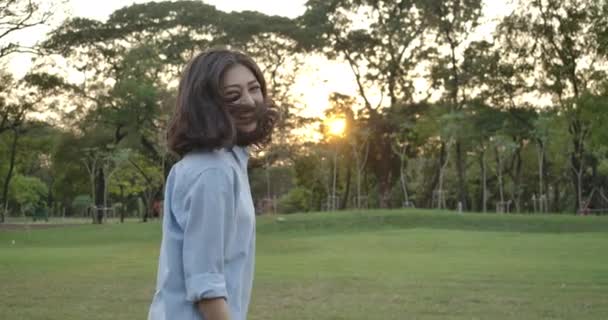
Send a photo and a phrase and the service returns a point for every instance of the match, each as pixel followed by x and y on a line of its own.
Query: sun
pixel 336 126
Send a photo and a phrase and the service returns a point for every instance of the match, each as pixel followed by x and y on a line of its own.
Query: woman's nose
pixel 247 99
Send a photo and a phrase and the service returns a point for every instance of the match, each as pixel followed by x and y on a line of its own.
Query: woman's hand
pixel 214 309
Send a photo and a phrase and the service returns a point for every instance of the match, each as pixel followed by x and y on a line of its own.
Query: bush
pixel 28 192
pixel 297 200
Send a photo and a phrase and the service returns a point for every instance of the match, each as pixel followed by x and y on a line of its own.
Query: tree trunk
pixel 577 159
pixel 382 156
pixel 484 181
pixel 516 177
pixel 123 206
pixel 99 196
pixel 577 177
pixel 541 190
pixel 267 171
pixel 360 166
pixel 9 175
pixel 403 175
pixel 429 200
pixel 444 158
pixel 347 189
pixel 358 189
pixel 499 175
pixel 579 188
pixel 366 187
pixel 404 186
pixel 463 194
pixel 148 204
pixel 334 180
pixel 105 191
pixel 556 197
pixel 518 189
pixel 385 191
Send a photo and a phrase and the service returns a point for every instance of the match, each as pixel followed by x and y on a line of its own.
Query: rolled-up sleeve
pixel 210 209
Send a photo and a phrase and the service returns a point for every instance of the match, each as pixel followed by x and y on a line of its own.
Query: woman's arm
pixel 210 203
pixel 214 309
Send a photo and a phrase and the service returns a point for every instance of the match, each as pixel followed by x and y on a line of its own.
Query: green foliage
pixel 478 99
pixel 81 203
pixel 594 110
pixel 297 200
pixel 312 174
pixel 69 174
pixel 281 181
pixel 565 34
pixel 135 176
pixel 28 192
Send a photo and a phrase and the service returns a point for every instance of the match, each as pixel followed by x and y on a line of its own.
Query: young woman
pixel 207 252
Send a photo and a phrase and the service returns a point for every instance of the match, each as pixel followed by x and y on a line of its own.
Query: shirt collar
pixel 241 154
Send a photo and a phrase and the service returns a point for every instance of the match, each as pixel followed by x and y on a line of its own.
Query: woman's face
pixel 240 88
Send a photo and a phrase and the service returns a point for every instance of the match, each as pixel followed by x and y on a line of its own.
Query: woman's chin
pixel 248 128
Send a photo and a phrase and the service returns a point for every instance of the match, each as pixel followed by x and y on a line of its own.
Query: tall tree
pixel 130 63
pixel 18 103
pixel 454 22
pixel 383 53
pixel 559 35
pixel 486 121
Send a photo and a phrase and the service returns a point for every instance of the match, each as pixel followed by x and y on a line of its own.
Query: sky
pixel 102 9
pixel 320 78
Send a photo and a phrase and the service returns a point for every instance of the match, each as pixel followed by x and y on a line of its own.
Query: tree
pixel 137 176
pixel 594 112
pixel 28 193
pixel 129 64
pixel 18 101
pixel 487 121
pixel 71 178
pixel 435 131
pixel 335 133
pixel 383 55
pixel 497 79
pixel 18 16
pixel 564 38
pixel 560 191
pixel 311 174
pixel 503 146
pixel 400 149
pixel 360 145
pixel 9 174
pixel 402 118
pixel 454 22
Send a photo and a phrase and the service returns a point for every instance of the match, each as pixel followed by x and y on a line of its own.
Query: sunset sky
pixel 319 77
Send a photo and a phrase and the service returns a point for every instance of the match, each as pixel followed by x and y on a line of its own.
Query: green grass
pixel 343 265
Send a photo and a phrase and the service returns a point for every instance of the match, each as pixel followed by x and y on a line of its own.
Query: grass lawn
pixel 411 264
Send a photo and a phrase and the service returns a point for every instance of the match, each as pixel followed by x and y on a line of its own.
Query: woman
pixel 207 252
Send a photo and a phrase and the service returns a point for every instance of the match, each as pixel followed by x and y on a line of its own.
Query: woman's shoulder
pixel 195 163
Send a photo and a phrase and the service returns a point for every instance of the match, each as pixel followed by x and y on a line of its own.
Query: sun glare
pixel 336 126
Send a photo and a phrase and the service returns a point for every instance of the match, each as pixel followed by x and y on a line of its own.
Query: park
pixel 430 159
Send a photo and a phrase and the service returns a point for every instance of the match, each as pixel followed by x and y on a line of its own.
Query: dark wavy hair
pixel 202 120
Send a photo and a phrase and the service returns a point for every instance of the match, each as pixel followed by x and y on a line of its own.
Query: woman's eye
pixel 254 88
pixel 232 97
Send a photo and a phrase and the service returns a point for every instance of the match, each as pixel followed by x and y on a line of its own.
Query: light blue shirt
pixel 208 243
